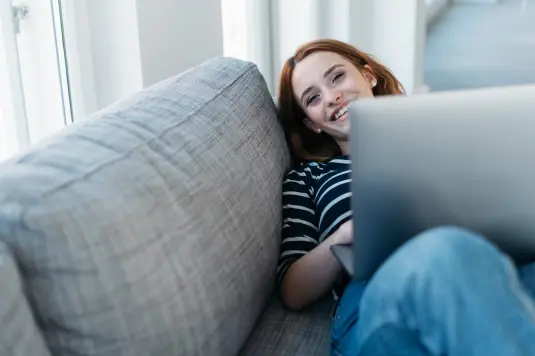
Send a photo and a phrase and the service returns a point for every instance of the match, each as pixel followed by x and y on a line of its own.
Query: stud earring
pixel 318 130
pixel 374 83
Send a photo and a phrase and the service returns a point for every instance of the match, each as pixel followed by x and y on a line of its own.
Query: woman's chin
pixel 341 127
pixel 340 134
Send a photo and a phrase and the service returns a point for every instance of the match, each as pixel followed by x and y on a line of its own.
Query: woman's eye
pixel 312 98
pixel 337 77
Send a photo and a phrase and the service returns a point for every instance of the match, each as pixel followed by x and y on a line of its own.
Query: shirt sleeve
pixel 299 223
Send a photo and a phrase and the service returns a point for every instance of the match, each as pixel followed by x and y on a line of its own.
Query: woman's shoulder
pixel 339 163
pixel 314 168
pixel 308 169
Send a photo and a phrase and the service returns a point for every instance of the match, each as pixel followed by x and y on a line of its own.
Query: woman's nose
pixel 334 99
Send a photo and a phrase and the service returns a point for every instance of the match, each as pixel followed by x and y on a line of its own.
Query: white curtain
pixel 393 31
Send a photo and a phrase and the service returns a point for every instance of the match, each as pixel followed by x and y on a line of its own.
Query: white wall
pixel 175 35
pixel 135 43
pixel 362 14
pixel 115 49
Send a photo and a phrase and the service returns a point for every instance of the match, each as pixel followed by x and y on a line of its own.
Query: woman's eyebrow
pixel 330 70
pixel 307 90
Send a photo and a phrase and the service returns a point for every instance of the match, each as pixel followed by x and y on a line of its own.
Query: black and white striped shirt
pixel 316 200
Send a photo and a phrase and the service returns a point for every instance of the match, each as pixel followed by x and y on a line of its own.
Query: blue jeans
pixel 445 292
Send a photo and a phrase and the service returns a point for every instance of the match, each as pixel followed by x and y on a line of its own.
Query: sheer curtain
pixel 267 32
pixel 247 34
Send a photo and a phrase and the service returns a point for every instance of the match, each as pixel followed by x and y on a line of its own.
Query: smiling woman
pixel 311 99
pixel 389 312
pixel 324 98
pixel 317 85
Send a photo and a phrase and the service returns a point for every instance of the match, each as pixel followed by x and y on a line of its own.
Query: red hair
pixel 305 144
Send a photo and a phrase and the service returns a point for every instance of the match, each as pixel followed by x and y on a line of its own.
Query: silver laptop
pixel 463 158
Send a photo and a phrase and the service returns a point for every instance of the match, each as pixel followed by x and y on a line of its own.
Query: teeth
pixel 341 112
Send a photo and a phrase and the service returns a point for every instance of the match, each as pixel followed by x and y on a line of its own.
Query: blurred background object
pixel 473 44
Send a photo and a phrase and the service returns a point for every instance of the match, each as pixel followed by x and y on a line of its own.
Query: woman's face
pixel 324 84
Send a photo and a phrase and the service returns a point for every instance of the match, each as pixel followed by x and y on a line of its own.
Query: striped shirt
pixel 316 200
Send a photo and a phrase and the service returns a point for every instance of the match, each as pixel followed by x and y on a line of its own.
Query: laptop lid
pixel 463 158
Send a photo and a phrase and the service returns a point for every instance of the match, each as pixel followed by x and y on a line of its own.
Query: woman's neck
pixel 344 146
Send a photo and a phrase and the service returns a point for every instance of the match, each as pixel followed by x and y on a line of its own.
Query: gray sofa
pixel 152 229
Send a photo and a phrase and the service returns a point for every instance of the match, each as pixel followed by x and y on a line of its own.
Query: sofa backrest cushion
pixel 153 228
pixel 19 335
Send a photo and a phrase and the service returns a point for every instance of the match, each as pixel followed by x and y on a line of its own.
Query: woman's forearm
pixel 310 277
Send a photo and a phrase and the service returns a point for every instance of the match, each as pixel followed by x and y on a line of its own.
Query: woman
pixel 445 292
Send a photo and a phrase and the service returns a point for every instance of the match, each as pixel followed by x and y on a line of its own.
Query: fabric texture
pixel 284 333
pixel 153 228
pixel 19 335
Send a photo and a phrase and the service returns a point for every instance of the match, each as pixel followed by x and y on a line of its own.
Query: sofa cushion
pixel 153 228
pixel 281 332
pixel 19 334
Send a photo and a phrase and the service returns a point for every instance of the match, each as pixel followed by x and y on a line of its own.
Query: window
pixel 235 28
pixel 34 90
pixel 247 33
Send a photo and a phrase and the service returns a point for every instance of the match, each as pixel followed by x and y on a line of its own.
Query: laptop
pixel 463 158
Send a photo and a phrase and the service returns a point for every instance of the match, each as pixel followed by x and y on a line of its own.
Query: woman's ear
pixel 311 125
pixel 370 76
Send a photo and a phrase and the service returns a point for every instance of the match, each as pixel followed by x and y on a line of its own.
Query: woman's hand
pixel 344 234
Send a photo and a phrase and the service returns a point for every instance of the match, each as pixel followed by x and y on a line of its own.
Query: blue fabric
pixel 446 292
pixel 343 335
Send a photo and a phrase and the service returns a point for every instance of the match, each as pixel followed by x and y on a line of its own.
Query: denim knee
pixel 442 254
pixel 442 249
pixel 424 278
